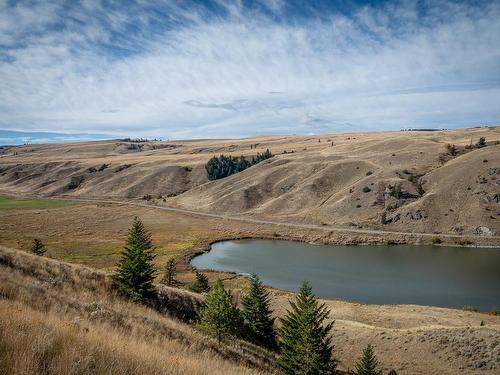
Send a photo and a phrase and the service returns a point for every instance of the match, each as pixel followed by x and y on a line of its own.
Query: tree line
pixel 223 166
pixel 303 341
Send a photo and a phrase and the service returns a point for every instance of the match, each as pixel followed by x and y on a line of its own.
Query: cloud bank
pixel 180 69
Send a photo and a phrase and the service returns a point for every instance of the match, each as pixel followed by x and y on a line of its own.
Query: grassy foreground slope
pixel 62 318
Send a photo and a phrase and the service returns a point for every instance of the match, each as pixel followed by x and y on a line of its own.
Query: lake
pixel 403 274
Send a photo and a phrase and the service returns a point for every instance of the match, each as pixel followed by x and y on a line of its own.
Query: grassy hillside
pixel 334 179
pixel 61 318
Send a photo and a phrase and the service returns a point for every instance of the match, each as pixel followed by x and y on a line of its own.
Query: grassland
pixel 337 180
pixel 10 203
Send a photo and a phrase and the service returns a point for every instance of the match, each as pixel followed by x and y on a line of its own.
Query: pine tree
pixel 219 316
pixel 305 343
pixel 135 273
pixel 201 283
pixel 38 247
pixel 257 314
pixel 169 276
pixel 367 364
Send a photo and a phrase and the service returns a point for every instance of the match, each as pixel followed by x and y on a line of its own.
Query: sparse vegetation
pixel 395 191
pixel 470 308
pixel 305 340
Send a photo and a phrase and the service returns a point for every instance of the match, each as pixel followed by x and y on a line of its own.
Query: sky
pixel 210 69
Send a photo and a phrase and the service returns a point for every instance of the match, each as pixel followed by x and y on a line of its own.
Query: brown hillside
pixel 307 181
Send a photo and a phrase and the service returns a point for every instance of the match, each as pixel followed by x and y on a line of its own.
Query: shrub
pixel 383 218
pixel 369 173
pixel 38 248
pixel 470 308
pixel 366 189
pixel 451 150
pixel 481 142
pixel 395 191
pixel 435 240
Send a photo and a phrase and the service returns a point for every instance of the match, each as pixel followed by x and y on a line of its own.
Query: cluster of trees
pixel 223 166
pixel 303 341
pixel 453 151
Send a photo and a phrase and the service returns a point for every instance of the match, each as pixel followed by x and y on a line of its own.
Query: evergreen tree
pixel 367 364
pixel 201 283
pixel 257 314
pixel 219 316
pixel 305 343
pixel 38 247
pixel 135 273
pixel 169 276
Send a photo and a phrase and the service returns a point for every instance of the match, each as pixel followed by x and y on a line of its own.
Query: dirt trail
pixel 278 223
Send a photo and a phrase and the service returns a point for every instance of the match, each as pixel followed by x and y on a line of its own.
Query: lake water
pixel 403 274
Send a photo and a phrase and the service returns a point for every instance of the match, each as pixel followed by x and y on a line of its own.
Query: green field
pixel 7 203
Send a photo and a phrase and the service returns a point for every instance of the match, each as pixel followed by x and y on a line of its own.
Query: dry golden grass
pixel 61 318
pixel 317 183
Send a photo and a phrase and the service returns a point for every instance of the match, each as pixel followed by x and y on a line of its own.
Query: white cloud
pixel 215 76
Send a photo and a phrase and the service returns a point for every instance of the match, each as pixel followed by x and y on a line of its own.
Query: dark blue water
pixel 424 275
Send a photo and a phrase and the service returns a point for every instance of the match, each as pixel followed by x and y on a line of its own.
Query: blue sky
pixel 192 69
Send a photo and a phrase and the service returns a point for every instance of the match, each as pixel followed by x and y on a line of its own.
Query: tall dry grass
pixel 63 318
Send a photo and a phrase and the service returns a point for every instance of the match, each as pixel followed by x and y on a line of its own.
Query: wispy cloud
pixel 225 68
